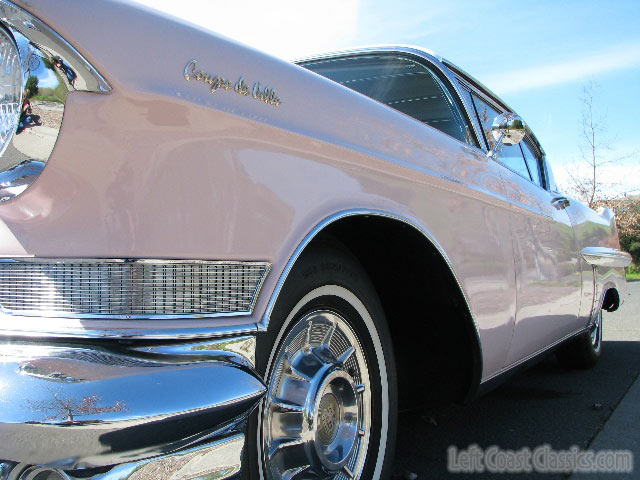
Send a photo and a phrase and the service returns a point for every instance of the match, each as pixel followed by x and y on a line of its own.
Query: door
pixel 548 281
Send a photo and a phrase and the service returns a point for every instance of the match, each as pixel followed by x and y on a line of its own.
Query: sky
pixel 537 56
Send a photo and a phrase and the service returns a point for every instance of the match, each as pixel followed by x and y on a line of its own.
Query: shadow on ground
pixel 547 404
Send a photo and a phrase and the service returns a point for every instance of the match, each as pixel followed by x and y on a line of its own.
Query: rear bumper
pixel 74 407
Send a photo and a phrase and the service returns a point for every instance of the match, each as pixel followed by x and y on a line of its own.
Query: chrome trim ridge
pixel 44 38
pixel 85 407
pixel 479 85
pixel 240 350
pixel 264 323
pixel 221 459
pixel 132 333
pixel 605 257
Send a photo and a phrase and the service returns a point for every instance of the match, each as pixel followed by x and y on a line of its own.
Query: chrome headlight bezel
pixel 50 60
pixel 9 60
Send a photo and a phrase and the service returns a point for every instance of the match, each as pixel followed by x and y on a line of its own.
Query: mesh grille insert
pixel 129 288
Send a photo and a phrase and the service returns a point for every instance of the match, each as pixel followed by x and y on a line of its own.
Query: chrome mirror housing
pixel 508 129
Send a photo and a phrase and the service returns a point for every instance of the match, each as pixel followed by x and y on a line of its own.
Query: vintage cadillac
pixel 215 263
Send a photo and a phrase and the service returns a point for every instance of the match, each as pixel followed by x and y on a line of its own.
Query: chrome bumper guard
pixel 178 410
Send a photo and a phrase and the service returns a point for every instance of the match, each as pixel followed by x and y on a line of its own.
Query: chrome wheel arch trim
pixel 342 292
pixel 264 323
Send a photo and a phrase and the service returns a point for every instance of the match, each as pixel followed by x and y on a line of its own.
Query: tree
pixel 584 177
pixel 31 88
pixel 60 408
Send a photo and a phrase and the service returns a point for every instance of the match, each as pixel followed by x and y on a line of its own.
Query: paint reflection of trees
pixel 60 408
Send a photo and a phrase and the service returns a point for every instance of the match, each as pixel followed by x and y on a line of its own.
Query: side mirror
pixel 507 129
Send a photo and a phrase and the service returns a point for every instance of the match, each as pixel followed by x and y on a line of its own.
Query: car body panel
pixel 107 188
pixel 164 167
pixel 547 274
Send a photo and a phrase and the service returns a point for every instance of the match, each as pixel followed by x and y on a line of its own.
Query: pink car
pixel 216 263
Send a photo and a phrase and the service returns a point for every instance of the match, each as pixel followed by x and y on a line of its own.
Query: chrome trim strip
pixel 131 333
pixel 47 39
pixel 240 350
pixel 605 257
pixel 264 323
pixel 477 84
pixel 79 407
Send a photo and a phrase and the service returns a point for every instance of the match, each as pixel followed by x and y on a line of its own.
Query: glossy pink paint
pixel 162 168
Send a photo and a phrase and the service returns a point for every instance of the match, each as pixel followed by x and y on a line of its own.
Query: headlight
pixel 10 89
pixel 38 68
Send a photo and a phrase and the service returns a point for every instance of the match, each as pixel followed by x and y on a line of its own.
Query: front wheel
pixel 330 406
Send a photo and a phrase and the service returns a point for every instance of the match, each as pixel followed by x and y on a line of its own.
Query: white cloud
pixel 286 28
pixel 616 179
pixel 619 58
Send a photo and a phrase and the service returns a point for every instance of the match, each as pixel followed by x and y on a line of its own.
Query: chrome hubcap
pixel 596 332
pixel 317 413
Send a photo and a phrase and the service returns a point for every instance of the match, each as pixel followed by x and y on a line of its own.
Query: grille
pixel 129 288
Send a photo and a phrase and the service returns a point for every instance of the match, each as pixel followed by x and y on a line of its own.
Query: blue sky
pixel 536 55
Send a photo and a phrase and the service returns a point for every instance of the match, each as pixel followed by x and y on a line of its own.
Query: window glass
pixel 533 162
pixel 403 84
pixel 552 183
pixel 510 155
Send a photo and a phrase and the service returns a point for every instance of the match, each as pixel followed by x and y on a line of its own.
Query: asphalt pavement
pixel 594 409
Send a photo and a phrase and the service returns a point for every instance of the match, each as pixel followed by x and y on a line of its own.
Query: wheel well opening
pixel 611 300
pixel 434 338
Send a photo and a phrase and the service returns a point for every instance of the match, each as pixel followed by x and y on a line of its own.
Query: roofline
pixel 371 49
pixel 411 49
pixel 420 52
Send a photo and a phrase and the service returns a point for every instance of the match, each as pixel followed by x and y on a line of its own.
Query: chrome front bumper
pixel 177 410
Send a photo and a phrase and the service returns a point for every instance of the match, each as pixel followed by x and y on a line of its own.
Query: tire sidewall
pixel 330 278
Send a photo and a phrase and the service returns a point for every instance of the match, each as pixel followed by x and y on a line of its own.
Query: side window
pixel 533 162
pixel 510 155
pixel 552 183
pixel 404 85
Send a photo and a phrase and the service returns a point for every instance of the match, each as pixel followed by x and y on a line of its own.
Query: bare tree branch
pixel 585 176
